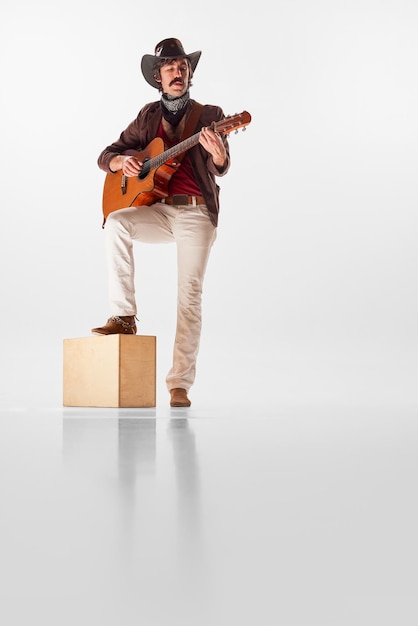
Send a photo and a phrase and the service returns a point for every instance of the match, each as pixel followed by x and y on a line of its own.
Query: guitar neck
pixel 158 160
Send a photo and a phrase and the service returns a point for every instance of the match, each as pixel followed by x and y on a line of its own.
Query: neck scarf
pixel 173 108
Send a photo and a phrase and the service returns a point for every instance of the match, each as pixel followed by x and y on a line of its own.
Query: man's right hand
pixel 129 165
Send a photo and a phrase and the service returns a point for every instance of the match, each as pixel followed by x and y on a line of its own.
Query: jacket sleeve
pixel 134 137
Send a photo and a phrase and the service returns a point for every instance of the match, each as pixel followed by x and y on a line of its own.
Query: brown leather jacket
pixel 144 129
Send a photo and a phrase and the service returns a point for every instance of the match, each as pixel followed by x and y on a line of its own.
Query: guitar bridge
pixel 123 183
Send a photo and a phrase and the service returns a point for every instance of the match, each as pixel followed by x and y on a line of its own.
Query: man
pixel 188 216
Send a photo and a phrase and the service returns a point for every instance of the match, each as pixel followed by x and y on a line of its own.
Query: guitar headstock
pixel 232 123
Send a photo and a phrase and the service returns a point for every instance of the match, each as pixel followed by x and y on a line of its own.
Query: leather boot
pixel 179 397
pixel 123 325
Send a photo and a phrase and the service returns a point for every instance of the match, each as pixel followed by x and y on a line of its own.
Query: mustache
pixel 177 80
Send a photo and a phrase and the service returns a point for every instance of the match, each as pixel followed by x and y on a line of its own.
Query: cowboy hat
pixel 166 49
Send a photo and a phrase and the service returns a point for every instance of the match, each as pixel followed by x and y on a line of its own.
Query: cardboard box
pixel 110 371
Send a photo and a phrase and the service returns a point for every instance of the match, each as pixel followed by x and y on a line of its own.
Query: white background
pixel 310 296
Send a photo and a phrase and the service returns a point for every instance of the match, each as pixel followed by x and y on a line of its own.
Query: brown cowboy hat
pixel 166 49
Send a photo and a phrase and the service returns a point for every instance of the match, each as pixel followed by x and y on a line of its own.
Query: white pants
pixel 194 234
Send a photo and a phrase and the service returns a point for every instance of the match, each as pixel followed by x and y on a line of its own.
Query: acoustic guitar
pixel 159 165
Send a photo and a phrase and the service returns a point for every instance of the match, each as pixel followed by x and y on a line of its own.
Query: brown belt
pixel 183 199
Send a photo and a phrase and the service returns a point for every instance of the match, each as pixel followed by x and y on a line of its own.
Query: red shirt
pixel 183 181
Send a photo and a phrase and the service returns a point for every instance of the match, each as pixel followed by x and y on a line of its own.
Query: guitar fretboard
pixel 157 161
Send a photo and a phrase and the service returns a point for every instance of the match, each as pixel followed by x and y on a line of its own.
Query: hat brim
pixel 149 60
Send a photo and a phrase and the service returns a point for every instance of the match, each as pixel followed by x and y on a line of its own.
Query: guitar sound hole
pixel 145 170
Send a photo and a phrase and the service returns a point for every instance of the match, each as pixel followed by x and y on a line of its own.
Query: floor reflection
pixel 155 518
pixel 137 443
pixel 193 591
pixel 183 442
pixel 151 471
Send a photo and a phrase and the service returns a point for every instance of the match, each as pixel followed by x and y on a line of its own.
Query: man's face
pixel 175 77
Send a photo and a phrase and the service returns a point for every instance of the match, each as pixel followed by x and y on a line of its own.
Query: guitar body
pixel 121 192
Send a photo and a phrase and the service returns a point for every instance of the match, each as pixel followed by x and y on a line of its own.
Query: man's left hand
pixel 212 142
